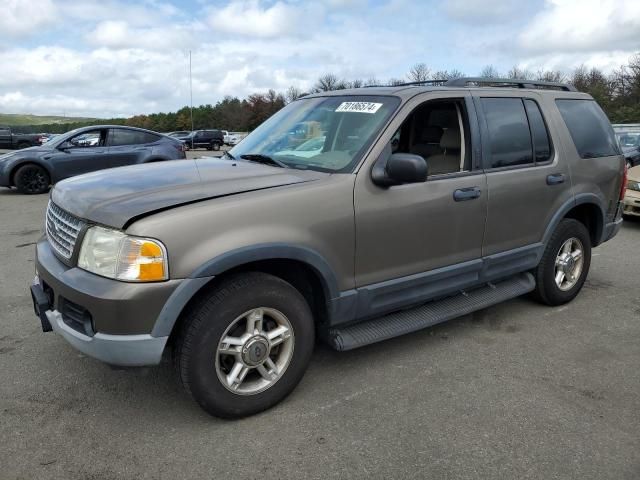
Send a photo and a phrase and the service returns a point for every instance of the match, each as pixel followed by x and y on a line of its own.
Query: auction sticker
pixel 358 107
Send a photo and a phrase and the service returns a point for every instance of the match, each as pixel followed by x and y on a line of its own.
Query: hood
pixel 115 197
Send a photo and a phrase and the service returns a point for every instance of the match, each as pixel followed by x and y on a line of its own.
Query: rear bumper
pixel 611 229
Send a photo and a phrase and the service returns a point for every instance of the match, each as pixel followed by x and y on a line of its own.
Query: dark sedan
pixel 87 149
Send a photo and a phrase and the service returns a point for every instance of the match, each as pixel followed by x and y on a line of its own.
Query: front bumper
pixel 632 203
pixel 103 318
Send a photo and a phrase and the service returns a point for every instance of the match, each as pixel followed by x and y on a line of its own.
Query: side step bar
pixel 407 321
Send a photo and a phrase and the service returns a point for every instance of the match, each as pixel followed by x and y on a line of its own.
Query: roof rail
pixel 435 83
pixel 508 82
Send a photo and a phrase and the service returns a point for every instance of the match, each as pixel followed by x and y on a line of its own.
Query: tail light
pixel 625 178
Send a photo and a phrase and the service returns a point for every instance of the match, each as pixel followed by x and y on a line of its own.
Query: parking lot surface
pixel 519 390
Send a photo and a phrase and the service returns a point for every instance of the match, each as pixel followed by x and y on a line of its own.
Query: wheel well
pixel 300 275
pixel 591 217
pixel 15 169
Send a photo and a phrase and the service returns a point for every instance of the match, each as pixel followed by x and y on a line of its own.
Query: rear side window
pixel 590 129
pixel 508 128
pixel 539 133
pixel 120 137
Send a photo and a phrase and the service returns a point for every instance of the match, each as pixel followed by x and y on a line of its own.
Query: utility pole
pixel 191 90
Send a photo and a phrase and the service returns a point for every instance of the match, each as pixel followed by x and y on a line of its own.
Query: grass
pixel 18 119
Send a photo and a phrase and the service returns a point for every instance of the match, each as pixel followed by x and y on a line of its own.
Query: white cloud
pixel 584 26
pixel 250 18
pixel 20 18
pixel 482 12
pixel 119 34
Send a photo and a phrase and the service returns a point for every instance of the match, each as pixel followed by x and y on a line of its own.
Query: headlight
pixel 114 254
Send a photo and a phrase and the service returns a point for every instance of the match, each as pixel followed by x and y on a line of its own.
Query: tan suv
pixel 420 203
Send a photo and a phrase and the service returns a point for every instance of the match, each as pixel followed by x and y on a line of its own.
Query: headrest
pixel 431 134
pixel 450 139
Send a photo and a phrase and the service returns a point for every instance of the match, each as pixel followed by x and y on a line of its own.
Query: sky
pixel 106 58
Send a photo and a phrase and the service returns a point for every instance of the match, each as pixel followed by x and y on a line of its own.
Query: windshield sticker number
pixel 358 107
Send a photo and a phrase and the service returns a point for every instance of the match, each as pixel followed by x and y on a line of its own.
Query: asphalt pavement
pixel 517 391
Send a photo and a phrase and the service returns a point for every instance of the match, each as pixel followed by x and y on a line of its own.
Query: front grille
pixel 62 230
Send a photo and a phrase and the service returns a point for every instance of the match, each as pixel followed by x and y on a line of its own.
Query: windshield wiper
pixel 227 154
pixel 265 159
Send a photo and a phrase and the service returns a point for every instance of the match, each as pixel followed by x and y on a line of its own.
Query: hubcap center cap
pixel 255 351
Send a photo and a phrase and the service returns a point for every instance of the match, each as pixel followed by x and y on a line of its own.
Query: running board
pixel 407 321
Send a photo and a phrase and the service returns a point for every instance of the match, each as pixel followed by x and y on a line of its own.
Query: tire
pixel 225 312
pixel 31 179
pixel 548 291
pixel 215 146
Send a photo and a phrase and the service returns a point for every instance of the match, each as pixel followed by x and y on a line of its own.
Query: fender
pixel 34 161
pixel 235 258
pixel 580 199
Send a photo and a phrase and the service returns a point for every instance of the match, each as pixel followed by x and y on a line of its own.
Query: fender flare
pixel 580 199
pixel 235 258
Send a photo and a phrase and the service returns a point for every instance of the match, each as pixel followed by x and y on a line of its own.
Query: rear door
pixel 526 179
pixel 128 147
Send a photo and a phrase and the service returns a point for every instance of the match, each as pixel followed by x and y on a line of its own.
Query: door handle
pixel 555 179
pixel 464 194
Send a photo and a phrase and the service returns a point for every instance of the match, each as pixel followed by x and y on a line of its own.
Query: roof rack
pixel 486 82
pixel 508 82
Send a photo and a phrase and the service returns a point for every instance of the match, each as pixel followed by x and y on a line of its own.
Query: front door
pixel 417 241
pixel 85 152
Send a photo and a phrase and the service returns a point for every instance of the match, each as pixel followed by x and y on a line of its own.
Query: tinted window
pixel 589 127
pixel 541 144
pixel 120 136
pixel 509 137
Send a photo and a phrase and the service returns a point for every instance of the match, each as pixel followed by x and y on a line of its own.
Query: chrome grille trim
pixel 62 230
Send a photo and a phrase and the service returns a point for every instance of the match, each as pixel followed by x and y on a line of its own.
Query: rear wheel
pixel 31 179
pixel 245 346
pixel 564 265
pixel 215 146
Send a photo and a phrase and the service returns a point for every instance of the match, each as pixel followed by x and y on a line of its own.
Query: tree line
pixel 618 93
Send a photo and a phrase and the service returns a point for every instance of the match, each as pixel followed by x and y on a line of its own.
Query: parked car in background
pixel 180 134
pixel 632 196
pixel 235 138
pixel 45 137
pixel 235 265
pixel 84 150
pixel 8 139
pixel 628 136
pixel 209 139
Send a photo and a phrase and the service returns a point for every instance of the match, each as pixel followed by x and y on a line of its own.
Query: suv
pixel 209 139
pixel 423 204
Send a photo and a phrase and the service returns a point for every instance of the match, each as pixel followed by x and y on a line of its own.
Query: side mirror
pixel 65 146
pixel 399 168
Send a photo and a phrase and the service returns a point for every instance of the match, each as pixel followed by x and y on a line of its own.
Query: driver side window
pixel 437 131
pixel 90 138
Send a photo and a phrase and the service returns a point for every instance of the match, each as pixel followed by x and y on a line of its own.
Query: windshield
pixel 328 134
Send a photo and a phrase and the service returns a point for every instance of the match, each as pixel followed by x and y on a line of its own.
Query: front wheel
pixel 31 179
pixel 246 345
pixel 565 264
